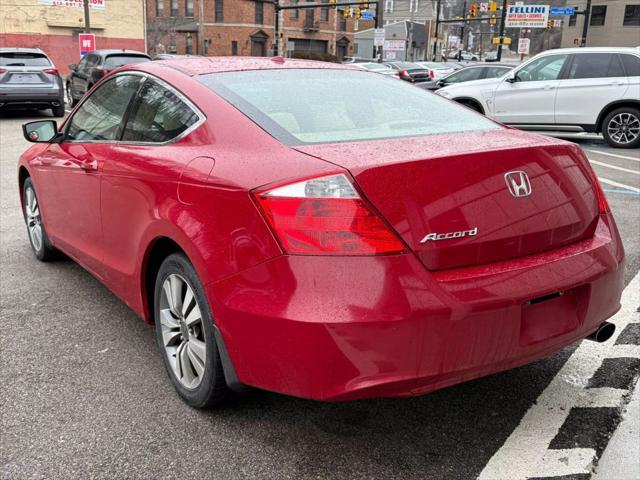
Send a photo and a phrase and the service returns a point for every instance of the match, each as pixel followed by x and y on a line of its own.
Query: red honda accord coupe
pixel 321 231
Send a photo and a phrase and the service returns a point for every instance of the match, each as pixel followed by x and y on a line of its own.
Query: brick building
pixel 244 27
pixel 53 26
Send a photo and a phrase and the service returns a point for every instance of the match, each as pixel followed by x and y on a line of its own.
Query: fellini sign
pixel 527 16
pixel 72 3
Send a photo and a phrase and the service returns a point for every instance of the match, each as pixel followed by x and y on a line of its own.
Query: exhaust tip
pixel 603 333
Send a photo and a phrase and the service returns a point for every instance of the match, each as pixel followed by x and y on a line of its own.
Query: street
pixel 85 393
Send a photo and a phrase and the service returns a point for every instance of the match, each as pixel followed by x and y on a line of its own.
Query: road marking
pixel 616 155
pixel 615 167
pixel 621 192
pixel 526 452
pixel 619 185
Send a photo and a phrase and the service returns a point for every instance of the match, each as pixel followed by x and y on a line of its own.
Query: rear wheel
pixel 184 330
pixel 621 127
pixel 42 248
pixel 58 111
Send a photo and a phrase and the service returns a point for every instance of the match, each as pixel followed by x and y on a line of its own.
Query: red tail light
pixel 403 73
pixel 2 70
pixel 603 204
pixel 325 216
pixel 432 74
pixel 51 71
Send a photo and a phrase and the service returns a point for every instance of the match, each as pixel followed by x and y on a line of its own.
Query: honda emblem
pixel 518 183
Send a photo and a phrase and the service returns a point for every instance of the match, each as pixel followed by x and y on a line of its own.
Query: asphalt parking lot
pixel 85 394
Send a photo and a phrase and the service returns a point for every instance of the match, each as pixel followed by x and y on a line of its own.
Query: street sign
pixel 378 37
pixel 527 16
pixel 86 42
pixel 484 6
pixel 366 16
pixel 505 41
pixel 523 46
pixel 557 23
pixel 394 45
pixel 562 11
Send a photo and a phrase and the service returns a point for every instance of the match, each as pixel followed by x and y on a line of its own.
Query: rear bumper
pixel 341 328
pixel 37 98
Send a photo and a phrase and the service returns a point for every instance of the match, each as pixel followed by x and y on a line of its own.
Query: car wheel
pixel 58 111
pixel 42 248
pixel 472 105
pixel 621 128
pixel 185 334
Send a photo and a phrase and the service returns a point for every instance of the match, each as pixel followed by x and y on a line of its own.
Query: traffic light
pixel 357 13
pixel 549 24
pixel 474 9
pixel 493 6
pixel 365 6
pixel 346 13
pixel 493 20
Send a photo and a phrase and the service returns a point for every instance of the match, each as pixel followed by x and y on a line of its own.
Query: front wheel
pixel 42 248
pixel 621 128
pixel 184 330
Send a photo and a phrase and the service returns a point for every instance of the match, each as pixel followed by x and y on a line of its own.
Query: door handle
pixel 547 87
pixel 89 166
pixel 616 82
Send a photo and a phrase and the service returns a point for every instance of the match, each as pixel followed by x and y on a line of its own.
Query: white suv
pixel 571 89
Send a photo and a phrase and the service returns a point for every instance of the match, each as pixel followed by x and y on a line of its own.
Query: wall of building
pixel 241 26
pixel 612 33
pixel 54 29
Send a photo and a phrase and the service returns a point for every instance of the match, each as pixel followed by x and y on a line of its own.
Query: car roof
pixel 635 50
pixel 21 50
pixel 193 66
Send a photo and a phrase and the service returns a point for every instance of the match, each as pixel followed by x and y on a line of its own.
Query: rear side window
pixel 306 106
pixel 20 59
pixel 465 75
pixel 631 65
pixel 100 116
pixel 595 65
pixel 115 61
pixel 158 115
pixel 494 72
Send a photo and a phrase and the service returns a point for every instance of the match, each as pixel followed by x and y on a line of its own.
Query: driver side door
pixel 73 170
pixel 530 99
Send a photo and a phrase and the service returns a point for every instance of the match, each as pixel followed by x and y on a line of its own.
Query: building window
pixel 188 8
pixel 631 16
pixel 343 23
pixel 414 5
pixel 259 12
pixel 160 8
pixel 234 48
pixel 189 45
pixel 572 20
pixel 388 6
pixel 294 13
pixel 219 14
pixel 174 8
pixel 598 12
pixel 324 14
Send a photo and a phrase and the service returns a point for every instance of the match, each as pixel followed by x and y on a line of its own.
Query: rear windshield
pixel 115 61
pixel 20 59
pixel 327 106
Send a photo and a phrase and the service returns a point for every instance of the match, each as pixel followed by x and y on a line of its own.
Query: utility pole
pixel 276 45
pixel 585 27
pixel 464 24
pixel 410 36
pixel 435 41
pixel 503 19
pixel 87 23
pixel 201 27
pixel 380 24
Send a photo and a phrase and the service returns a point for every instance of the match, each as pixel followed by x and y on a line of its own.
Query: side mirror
pixel 41 131
pixel 512 77
pixel 73 67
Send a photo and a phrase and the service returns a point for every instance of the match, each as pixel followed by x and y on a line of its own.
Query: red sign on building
pixel 87 42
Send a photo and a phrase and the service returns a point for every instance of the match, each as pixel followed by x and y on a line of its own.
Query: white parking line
pixel 616 155
pixel 615 167
pixel 526 452
pixel 617 184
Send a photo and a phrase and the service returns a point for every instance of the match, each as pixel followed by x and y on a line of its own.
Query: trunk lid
pixel 448 198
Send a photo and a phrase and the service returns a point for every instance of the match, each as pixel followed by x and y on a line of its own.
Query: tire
pixel 472 105
pixel 40 244
pixel 184 337
pixel 621 127
pixel 58 111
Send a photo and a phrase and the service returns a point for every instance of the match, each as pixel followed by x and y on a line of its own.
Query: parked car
pixel 380 68
pixel 437 70
pixel 467 74
pixel 358 60
pixel 491 56
pixel 306 228
pixel 94 66
pixel 595 89
pixel 29 80
pixel 462 55
pixel 409 71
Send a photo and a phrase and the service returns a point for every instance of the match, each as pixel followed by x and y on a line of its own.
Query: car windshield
pixel 23 59
pixel 306 106
pixel 115 61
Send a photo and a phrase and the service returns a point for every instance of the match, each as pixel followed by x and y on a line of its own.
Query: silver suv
pixel 29 80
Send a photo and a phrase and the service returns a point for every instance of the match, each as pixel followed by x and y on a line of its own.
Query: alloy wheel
pixel 182 331
pixel 624 128
pixel 34 222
